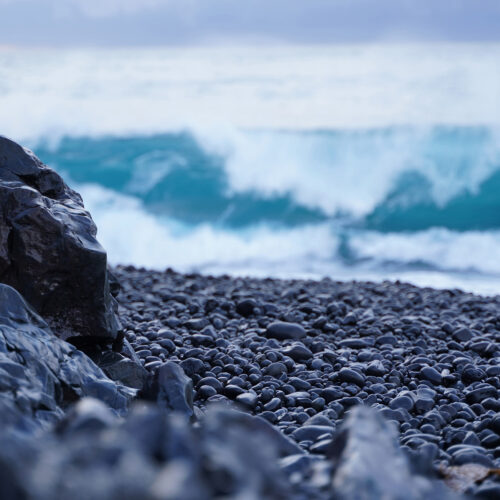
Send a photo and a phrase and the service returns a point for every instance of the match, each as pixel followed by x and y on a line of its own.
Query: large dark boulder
pixel 49 251
pixel 40 374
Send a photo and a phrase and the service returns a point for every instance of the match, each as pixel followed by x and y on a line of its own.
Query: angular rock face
pixel 48 248
pixel 148 455
pixel 369 464
pixel 40 374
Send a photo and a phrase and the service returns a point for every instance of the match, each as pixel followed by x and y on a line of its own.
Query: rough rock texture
pixel 48 248
pixel 40 374
pixel 153 455
pixel 149 455
pixel 369 463
pixel 172 389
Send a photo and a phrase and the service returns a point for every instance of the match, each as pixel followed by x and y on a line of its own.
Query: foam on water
pixel 364 162
pixel 133 236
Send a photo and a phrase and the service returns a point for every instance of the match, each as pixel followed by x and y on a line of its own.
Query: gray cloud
pixel 148 22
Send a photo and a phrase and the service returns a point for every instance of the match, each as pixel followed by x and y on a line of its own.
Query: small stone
pixel 349 375
pixel 280 330
pixel 402 401
pixel 432 375
pixel 312 432
pixel 298 352
pixel 246 307
pixel 248 399
pixel 205 391
pixel 462 335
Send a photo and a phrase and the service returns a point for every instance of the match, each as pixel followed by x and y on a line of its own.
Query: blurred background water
pixel 354 161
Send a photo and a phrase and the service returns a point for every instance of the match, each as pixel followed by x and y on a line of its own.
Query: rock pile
pixel 229 454
pixel 306 352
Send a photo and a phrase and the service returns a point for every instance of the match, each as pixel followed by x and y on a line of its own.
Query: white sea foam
pixel 217 92
pixel 444 249
pixel 351 171
pixel 220 94
pixel 131 235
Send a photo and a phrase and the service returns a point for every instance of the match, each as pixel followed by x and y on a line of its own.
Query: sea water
pixel 353 162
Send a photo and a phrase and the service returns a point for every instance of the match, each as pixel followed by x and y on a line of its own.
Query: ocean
pixel 353 162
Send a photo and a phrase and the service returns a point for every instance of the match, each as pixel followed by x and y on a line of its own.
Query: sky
pixel 181 22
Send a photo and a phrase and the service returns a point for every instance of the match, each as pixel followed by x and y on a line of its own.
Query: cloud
pixel 109 8
pixel 159 22
pixel 97 8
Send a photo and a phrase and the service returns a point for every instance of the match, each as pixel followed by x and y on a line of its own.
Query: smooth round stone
pixel 462 335
pixel 167 344
pixel 477 395
pixel 301 417
pixel 153 365
pixel 493 371
pixel 312 432
pixel 488 491
pixel 387 340
pixel 269 416
pixel 246 307
pixel 266 394
pixel 378 388
pixel 471 456
pixel 318 364
pixel 248 399
pixel 275 369
pixel 232 391
pixel 318 404
pixel 404 401
pixel 471 374
pixel 332 394
pixel 280 330
pixel 354 343
pixel 272 405
pixel 192 366
pixel 298 352
pixel 237 381
pixel 213 382
pixel 321 447
pixel 352 376
pixel 494 424
pixel 432 375
pixel 299 384
pixel 205 391
pixel 319 420
pixel 376 368
pixel 472 439
pixel 490 441
pixel 428 429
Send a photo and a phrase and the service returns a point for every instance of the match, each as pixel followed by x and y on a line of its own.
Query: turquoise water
pixel 451 179
pixel 349 161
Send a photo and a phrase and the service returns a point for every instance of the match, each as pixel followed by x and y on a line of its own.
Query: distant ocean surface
pixel 353 162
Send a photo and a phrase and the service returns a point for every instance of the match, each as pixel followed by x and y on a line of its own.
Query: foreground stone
pixel 369 463
pixel 149 455
pixel 40 375
pixel 153 455
pixel 48 248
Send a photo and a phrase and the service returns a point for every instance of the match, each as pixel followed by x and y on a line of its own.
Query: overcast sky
pixel 158 22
